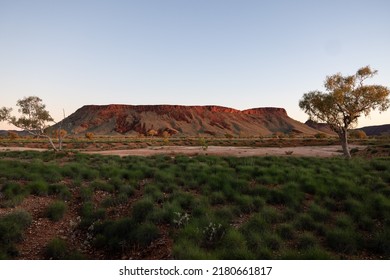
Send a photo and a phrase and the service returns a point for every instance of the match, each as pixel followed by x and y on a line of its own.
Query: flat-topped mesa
pixel 181 120
pixel 265 111
pixel 164 109
pixel 161 109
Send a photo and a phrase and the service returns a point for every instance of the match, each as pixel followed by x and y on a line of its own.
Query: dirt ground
pixel 309 151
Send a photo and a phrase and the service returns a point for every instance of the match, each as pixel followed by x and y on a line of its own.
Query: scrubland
pixel 69 205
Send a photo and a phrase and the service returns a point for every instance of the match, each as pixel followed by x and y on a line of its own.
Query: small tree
pixel 34 117
pixel 152 132
pixel 345 100
pixel 89 135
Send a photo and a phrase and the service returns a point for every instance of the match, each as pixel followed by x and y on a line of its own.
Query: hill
pixel 376 130
pixel 182 120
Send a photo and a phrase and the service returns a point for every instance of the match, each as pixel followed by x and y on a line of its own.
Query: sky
pixel 235 53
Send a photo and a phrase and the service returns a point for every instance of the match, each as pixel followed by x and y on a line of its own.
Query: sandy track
pixel 309 151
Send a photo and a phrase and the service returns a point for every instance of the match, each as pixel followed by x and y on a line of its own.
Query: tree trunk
pixel 343 135
pixel 51 143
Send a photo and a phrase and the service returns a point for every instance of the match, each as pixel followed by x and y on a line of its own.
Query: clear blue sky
pixel 235 53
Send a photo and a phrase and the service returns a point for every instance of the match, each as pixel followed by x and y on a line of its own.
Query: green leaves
pixel 345 100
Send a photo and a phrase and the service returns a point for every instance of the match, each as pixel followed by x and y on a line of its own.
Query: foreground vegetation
pixel 201 207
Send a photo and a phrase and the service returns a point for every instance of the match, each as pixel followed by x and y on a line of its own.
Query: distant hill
pixel 182 120
pixel 19 132
pixel 376 130
pixel 322 127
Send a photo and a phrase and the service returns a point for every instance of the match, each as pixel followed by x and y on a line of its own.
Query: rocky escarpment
pixel 182 120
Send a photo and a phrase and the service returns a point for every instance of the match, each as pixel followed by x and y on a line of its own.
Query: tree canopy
pixel 34 117
pixel 346 99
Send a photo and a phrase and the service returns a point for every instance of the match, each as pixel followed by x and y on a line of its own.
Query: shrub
pixel 56 249
pixel 315 253
pixel 342 240
pixel 146 233
pixel 181 219
pixel 89 135
pixel 89 214
pixel 212 234
pixel 102 186
pixel 13 194
pixel 56 210
pixel 307 240
pixel 142 209
pixel 305 222
pixel 60 190
pixel 320 135
pixel 39 188
pixel 86 193
pixel 318 213
pixel 286 231
pixel 234 247
pixel 114 201
pixel 11 230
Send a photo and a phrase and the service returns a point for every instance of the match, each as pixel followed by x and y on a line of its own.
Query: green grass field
pixel 202 207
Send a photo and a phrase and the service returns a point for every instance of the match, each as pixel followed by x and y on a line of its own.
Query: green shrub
pixel 315 253
pixel 86 193
pixel 305 222
pixel 307 240
pixel 56 249
pixel 128 190
pixel 142 209
pixel 187 250
pixel 286 231
pixel 342 240
pixel 39 188
pixel 12 227
pixel 319 213
pixel 11 189
pixel 60 190
pixel 213 234
pixel 89 214
pixel 234 247
pixel 56 210
pixel 113 201
pixel 102 186
pixel 146 233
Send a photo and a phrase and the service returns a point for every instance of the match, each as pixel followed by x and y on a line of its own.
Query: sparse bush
pixel 203 143
pixel 307 240
pixel 286 231
pixel 320 135
pixel 60 190
pixel 342 240
pixel 357 134
pixel 89 135
pixel 56 249
pixel 146 233
pixel 12 135
pixel 12 227
pixel 213 234
pixel 56 210
pixel 40 188
pixel 181 219
pixel 141 210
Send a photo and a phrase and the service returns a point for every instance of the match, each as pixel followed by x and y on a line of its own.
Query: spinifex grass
pixel 242 208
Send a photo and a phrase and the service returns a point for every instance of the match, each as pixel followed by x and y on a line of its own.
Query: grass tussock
pixel 209 207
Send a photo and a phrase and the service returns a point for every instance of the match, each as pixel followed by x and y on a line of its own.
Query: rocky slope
pixel 182 120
